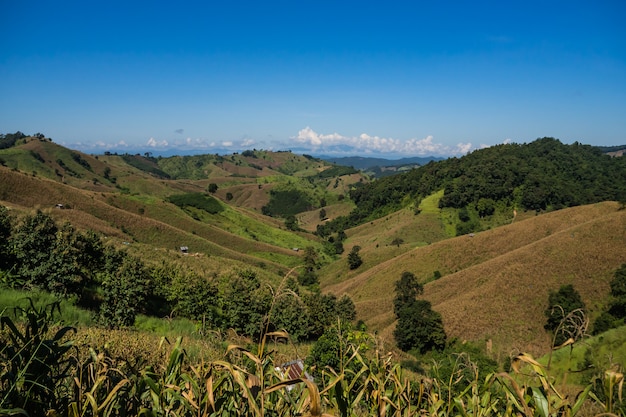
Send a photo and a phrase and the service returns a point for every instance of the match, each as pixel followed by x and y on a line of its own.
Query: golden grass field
pixel 495 285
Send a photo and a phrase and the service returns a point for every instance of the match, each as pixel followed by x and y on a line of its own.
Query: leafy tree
pixel 331 350
pixel 58 259
pixel 308 278
pixel 245 304
pixel 485 207
pixel 322 214
pixel 212 188
pixel 464 215
pixel 290 314
pixel 124 292
pixel 346 310
pixel 66 273
pixel 328 350
pixel 322 312
pixel 407 289
pixel 338 247
pixel 616 313
pixel 6 229
pixel 291 223
pixel 605 321
pixel 419 327
pixel 354 259
pixel 560 304
pixel 33 241
pixel 9 139
pixel 308 275
pixel 310 257
pixel 618 291
pixel 195 297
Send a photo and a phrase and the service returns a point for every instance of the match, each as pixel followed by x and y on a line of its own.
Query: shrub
pixel 354 259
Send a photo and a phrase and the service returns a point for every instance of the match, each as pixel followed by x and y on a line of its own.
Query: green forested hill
pixel 542 175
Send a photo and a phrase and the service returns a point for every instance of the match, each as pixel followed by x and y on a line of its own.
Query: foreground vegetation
pixel 44 372
pixel 264 235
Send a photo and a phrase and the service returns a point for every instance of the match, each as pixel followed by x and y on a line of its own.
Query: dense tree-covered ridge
pixel 544 174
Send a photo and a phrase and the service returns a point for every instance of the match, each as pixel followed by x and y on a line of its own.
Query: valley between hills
pixel 490 285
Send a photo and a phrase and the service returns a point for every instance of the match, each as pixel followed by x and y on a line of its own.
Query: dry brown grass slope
pixel 104 213
pixel 250 196
pixel 496 284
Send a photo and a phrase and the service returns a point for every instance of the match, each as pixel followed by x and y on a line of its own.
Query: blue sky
pixel 394 78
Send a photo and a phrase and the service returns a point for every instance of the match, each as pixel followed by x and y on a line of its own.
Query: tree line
pixel 38 253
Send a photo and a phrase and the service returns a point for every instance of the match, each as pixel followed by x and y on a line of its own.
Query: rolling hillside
pixel 495 284
pixel 126 197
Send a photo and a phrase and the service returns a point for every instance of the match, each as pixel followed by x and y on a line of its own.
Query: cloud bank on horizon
pixel 367 144
pixel 307 140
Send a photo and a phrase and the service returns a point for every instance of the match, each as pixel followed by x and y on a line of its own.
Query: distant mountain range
pixel 364 163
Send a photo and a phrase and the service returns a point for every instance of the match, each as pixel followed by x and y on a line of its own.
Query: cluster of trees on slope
pixel 615 315
pixel 566 311
pixel 36 253
pixel 544 174
pixel 7 140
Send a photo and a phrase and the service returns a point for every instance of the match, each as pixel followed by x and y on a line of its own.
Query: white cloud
pixel 153 143
pixel 365 143
pixel 96 146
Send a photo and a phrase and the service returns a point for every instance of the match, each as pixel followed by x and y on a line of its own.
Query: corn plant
pixel 538 399
pixel 34 364
pixel 98 388
pixel 613 385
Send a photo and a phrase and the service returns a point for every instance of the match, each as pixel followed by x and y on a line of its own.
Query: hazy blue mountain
pixel 363 163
